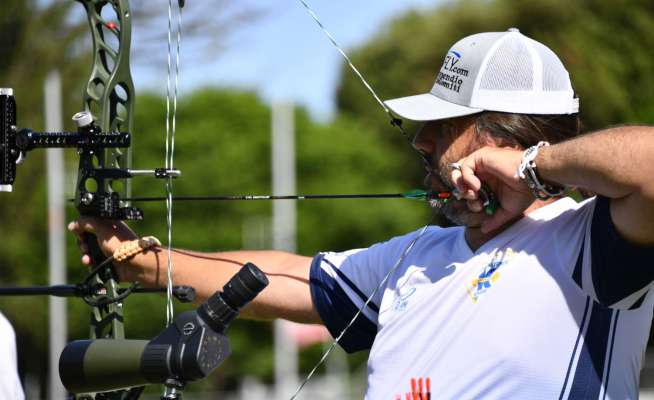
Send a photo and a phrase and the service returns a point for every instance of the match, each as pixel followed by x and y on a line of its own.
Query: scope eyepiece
pixel 221 308
pixel 244 286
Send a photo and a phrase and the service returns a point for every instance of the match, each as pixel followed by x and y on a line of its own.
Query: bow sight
pixel 93 197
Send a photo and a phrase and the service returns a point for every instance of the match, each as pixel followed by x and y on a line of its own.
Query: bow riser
pixel 109 96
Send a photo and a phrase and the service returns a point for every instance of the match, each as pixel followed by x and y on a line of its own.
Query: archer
pixel 545 298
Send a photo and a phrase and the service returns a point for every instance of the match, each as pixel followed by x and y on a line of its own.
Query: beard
pixel 456 211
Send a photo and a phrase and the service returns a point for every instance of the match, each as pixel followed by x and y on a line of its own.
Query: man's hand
pixel 496 167
pixel 110 235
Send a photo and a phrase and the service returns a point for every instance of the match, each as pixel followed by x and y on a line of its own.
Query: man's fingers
pixel 469 178
pixel 81 226
pixel 475 205
pixel 457 178
pixel 464 180
pixel 74 227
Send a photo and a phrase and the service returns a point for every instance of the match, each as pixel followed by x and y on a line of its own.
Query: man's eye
pixel 448 129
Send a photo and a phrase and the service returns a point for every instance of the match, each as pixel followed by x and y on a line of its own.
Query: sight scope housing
pixel 187 350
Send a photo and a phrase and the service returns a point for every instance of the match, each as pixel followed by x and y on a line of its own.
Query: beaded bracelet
pixel 133 247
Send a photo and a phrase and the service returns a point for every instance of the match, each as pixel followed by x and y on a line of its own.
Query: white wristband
pixel 527 172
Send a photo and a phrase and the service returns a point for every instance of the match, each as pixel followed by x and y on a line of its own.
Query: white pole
pixel 56 234
pixel 284 236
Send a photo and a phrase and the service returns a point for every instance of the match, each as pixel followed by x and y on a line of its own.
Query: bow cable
pixel 171 127
pixel 171 391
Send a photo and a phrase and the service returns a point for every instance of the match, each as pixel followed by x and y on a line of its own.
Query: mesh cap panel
pixel 509 68
pixel 554 73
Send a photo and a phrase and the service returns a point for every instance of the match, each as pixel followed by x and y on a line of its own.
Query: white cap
pixel 494 71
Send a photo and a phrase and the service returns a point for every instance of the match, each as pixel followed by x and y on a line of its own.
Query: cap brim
pixel 427 107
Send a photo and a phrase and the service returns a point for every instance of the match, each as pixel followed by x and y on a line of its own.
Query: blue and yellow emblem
pixel 489 275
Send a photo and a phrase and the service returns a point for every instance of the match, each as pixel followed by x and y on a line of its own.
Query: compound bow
pixel 103 141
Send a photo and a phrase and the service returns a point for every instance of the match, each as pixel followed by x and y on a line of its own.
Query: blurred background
pixel 240 60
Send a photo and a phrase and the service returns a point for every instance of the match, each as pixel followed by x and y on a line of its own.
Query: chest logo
pixel 489 275
pixel 402 301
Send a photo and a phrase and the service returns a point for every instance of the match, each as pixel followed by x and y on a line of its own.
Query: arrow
pixel 415 194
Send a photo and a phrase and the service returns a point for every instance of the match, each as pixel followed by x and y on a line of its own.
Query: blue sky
pixel 282 54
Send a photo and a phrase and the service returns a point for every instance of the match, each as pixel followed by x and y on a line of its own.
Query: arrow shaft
pixel 441 196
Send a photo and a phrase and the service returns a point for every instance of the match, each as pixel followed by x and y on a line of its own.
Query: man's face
pixel 441 143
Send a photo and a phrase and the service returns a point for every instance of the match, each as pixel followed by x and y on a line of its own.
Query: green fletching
pixel 492 207
pixel 415 194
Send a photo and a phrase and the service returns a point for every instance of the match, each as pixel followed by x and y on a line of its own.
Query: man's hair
pixel 527 130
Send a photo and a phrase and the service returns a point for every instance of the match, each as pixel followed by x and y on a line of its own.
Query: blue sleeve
pixel 336 309
pixel 620 269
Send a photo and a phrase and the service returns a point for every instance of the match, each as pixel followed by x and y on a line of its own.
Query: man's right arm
pixel 287 296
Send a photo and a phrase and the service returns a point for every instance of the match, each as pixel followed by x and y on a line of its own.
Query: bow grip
pixel 97 256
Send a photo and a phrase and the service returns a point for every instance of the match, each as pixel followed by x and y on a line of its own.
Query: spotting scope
pixel 187 350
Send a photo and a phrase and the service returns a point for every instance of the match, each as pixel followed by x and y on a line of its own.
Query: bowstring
pixel 171 127
pixel 396 122
pixel 345 56
pixel 390 272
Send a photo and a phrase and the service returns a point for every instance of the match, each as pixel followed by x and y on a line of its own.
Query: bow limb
pixel 109 96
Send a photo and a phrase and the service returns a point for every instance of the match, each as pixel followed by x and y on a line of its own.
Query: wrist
pixel 139 260
pixel 529 172
pixel 150 267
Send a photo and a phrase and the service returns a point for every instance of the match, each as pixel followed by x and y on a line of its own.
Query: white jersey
pixel 10 387
pixel 557 306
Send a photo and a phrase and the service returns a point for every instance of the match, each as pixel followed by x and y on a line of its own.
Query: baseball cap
pixel 493 71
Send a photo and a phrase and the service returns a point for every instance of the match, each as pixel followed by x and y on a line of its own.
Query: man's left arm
pixel 617 163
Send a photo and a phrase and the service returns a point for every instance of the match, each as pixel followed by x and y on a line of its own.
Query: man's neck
pixel 476 238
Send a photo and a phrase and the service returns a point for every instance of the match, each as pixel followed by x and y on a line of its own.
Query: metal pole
pixel 284 236
pixel 56 234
